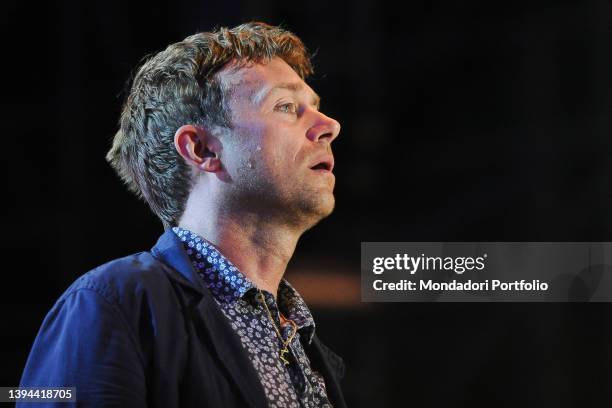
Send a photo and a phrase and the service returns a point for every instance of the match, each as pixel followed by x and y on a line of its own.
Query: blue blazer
pixel 143 331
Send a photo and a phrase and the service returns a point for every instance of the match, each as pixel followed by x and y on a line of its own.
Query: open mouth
pixel 325 164
pixel 322 166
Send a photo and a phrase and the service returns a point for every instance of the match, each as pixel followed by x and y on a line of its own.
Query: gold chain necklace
pixel 285 343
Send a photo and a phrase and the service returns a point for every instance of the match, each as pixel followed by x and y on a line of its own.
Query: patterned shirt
pixel 292 385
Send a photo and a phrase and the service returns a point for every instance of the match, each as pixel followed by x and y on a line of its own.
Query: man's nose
pixel 324 129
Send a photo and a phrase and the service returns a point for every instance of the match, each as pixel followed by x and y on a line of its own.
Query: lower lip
pixel 323 171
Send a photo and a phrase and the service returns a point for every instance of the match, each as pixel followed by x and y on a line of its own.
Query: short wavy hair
pixel 179 86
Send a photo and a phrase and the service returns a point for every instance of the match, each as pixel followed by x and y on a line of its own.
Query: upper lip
pixel 326 159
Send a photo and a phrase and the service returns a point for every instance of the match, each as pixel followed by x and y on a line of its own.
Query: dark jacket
pixel 143 331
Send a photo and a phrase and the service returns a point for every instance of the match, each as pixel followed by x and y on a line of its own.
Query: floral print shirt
pixel 286 385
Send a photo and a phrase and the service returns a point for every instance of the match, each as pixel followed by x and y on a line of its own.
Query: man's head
pixel 226 111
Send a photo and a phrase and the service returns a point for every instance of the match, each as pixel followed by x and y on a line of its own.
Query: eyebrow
pixel 261 94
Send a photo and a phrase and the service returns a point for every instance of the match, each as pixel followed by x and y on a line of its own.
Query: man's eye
pixel 288 108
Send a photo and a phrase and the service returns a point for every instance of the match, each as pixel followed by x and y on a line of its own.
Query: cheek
pixel 247 144
pixel 270 146
pixel 267 147
pixel 285 155
pixel 286 145
pixel 270 157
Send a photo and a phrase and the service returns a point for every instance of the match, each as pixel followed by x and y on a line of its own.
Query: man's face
pixel 278 155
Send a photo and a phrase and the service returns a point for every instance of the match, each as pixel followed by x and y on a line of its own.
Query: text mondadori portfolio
pixel 494 284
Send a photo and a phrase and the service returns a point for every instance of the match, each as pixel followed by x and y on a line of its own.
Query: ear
pixel 198 147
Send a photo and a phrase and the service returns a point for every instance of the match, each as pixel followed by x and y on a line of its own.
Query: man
pixel 224 140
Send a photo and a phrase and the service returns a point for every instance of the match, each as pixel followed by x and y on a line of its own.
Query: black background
pixel 462 121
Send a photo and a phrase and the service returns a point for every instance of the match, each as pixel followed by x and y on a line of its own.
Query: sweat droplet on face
pixel 258 149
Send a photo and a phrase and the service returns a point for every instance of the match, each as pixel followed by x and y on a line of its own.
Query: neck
pixel 260 248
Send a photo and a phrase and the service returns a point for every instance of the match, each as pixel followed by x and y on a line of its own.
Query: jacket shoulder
pixel 120 279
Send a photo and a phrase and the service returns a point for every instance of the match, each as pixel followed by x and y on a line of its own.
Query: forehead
pixel 250 82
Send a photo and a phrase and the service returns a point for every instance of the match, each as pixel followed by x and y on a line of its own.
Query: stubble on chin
pixel 312 206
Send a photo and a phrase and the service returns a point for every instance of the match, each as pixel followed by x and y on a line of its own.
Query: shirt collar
pixel 227 284
pixel 289 300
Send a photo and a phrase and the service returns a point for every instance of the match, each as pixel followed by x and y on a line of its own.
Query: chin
pixel 323 208
pixel 310 212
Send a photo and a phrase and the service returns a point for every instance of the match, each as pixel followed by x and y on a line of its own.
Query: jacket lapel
pixel 210 320
pixel 331 367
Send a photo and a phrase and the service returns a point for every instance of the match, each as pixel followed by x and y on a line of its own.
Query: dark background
pixel 462 121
